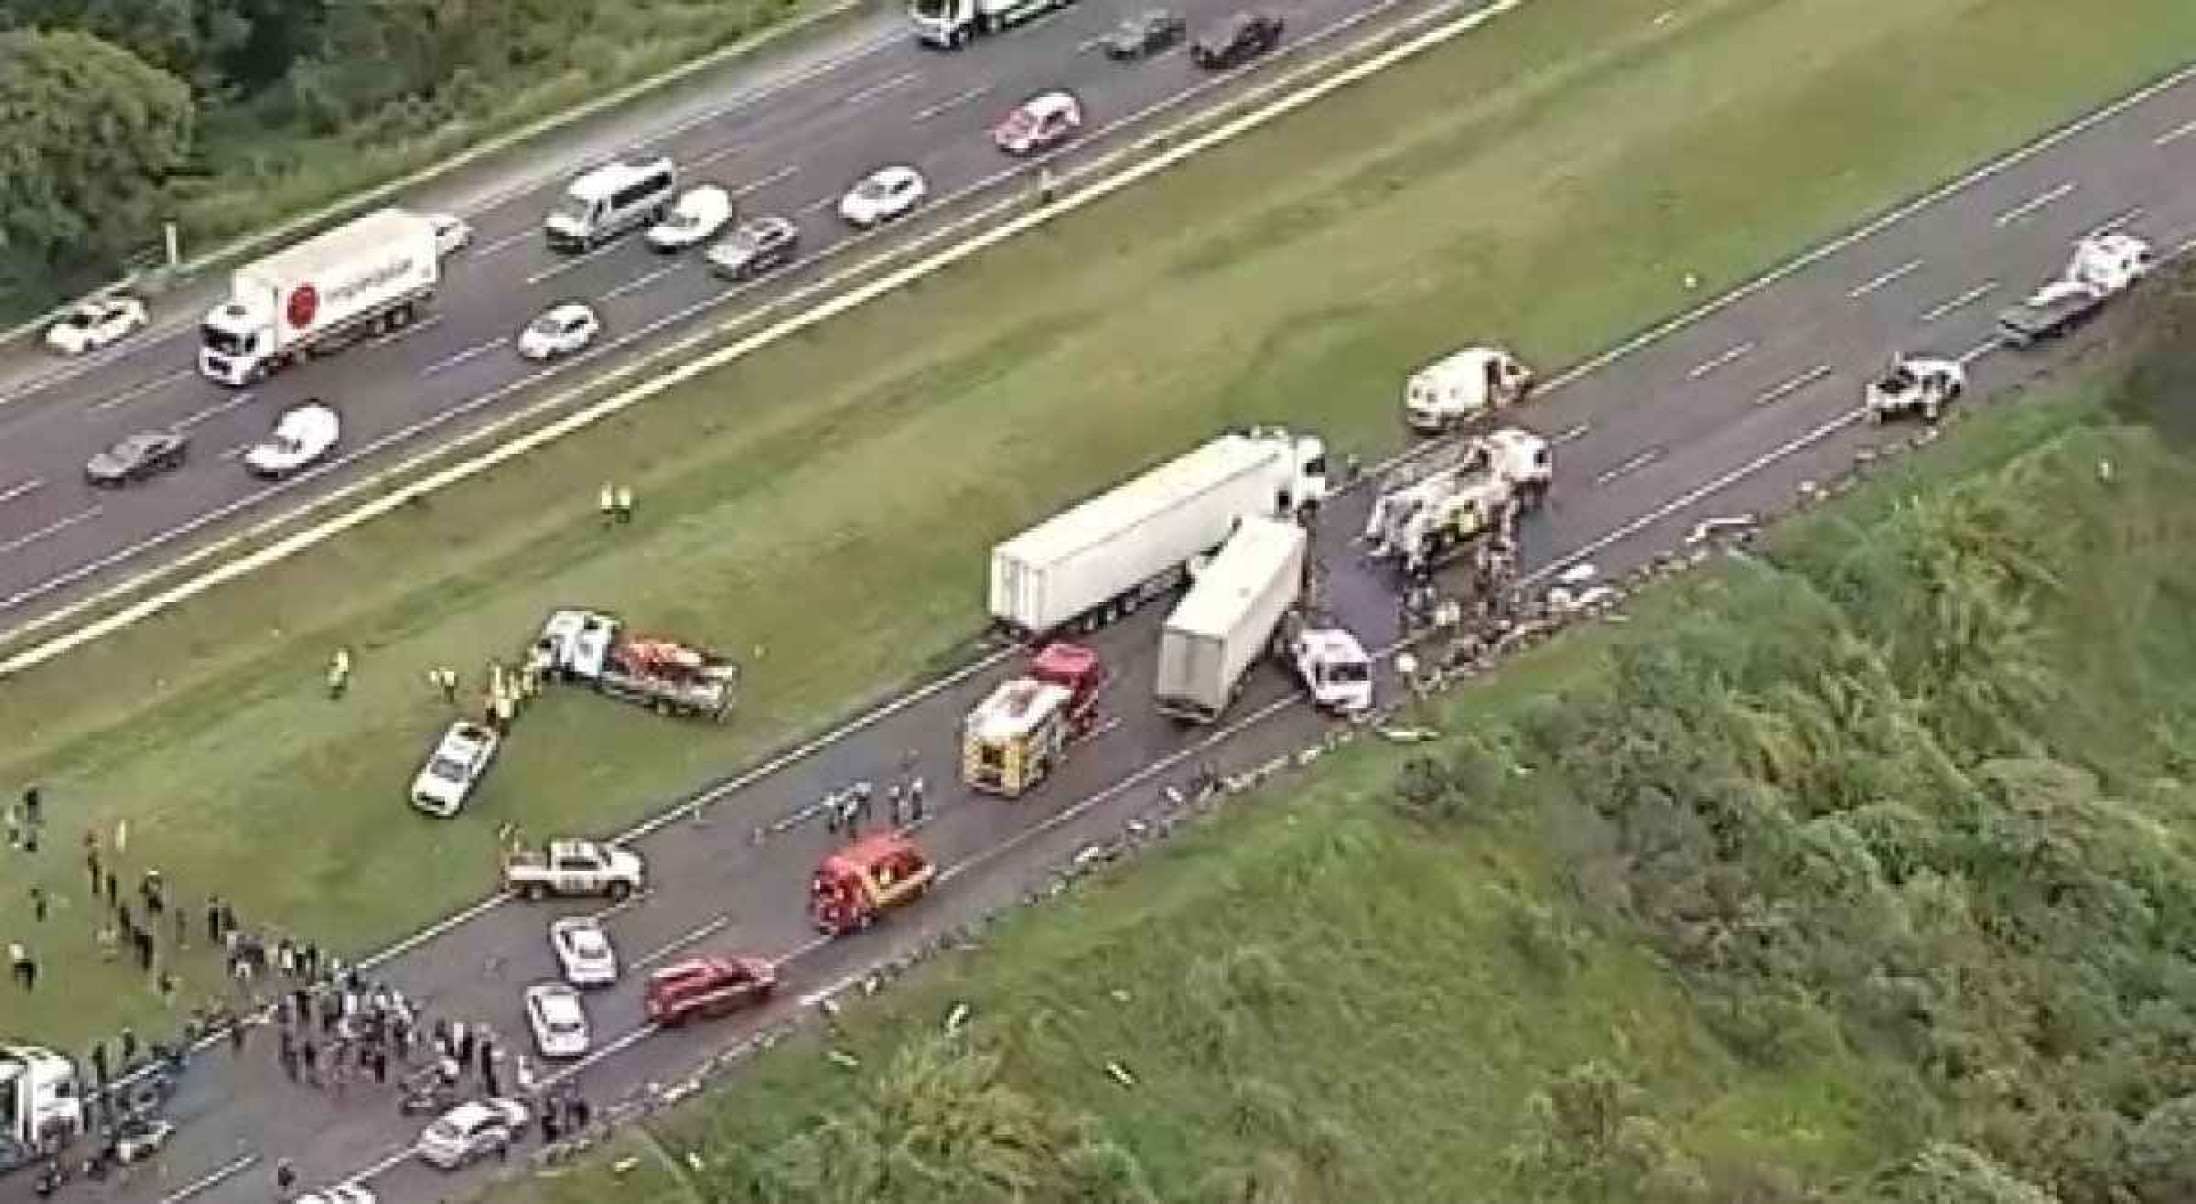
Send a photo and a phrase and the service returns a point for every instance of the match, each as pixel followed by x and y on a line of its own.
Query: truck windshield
pixel 1349 673
pixel 222 342
pixel 931 8
pixel 573 208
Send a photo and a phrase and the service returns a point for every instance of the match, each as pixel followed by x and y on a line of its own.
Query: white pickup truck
pixel 570 868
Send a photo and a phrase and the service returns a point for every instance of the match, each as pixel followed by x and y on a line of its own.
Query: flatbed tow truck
pixel 667 676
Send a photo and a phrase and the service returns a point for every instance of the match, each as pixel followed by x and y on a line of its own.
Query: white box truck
pixel 1111 553
pixel 1228 619
pixel 1454 390
pixel 365 277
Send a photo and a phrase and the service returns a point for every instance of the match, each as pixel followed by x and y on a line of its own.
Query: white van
pixel 1459 387
pixel 610 200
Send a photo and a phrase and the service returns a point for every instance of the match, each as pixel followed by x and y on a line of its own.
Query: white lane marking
pixel 218 408
pixel 405 332
pixel 625 904
pixel 383 1164
pixel 508 240
pixel 1780 392
pixel 227 1170
pixel 1576 432
pixel 643 280
pixel 1898 273
pixel 1702 369
pixel 753 186
pixel 452 361
pixel 141 388
pixel 881 87
pixel 722 152
pixel 1969 297
pixel 20 488
pixel 1968 357
pixel 954 101
pixel 236 451
pixel 2031 205
pixel 816 204
pixel 624 1042
pixel 2114 223
pixel 1696 494
pixel 53 528
pixel 653 956
pixel 784 84
pixel 1629 466
pixel 573 261
pixel 2175 134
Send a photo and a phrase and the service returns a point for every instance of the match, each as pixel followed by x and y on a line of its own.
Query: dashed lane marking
pixel 2031 205
pixel 1871 285
pixel 1780 392
pixel 1703 369
pixel 1967 298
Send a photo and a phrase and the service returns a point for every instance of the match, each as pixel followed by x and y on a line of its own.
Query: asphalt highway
pixel 1724 411
pixel 790 142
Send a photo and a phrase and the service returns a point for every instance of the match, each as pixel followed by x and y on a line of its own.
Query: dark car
pixel 1151 32
pixel 759 245
pixel 144 454
pixel 1237 40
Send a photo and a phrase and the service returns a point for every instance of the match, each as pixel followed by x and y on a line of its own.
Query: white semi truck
pixel 366 277
pixel 41 1103
pixel 664 675
pixel 1228 619
pixel 952 24
pixel 1111 553
pixel 1420 524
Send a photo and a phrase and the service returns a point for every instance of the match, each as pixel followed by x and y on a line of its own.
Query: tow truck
pixel 569 868
pixel 1020 732
pixel 866 879
pixel 667 676
pixel 2103 266
pixel 1421 522
pixel 1915 384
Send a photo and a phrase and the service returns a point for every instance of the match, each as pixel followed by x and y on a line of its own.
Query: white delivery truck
pixel 952 24
pixel 1228 619
pixel 1457 388
pixel 1111 553
pixel 365 277
pixel 41 1103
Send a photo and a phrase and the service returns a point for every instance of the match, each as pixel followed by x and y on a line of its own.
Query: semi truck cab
pixel 236 339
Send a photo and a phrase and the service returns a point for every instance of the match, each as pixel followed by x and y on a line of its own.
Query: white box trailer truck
pixel 1228 619
pixel 1111 553
pixel 365 277
pixel 952 24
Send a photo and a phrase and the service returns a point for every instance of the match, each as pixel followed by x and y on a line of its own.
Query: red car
pixel 1039 123
pixel 708 986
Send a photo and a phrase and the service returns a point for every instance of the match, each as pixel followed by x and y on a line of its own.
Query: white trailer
pixel 363 278
pixel 1110 554
pixel 952 24
pixel 1229 618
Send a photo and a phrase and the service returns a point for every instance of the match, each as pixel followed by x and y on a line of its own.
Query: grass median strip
pixel 821 510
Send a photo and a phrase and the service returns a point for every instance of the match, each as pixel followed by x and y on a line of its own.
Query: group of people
pixel 849 810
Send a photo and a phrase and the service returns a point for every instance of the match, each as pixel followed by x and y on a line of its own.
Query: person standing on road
pixel 915 801
pixel 625 503
pixel 33 807
pixel 607 502
pixel 445 679
pixel 339 673
pixel 21 966
pixel 285 1179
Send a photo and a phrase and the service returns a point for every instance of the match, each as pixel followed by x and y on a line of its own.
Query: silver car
pixel 583 951
pixel 471 1130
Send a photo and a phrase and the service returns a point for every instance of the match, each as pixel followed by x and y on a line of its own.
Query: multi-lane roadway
pixel 1724 410
pixel 791 144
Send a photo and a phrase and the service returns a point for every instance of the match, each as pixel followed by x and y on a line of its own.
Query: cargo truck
pixel 1228 619
pixel 1114 552
pixel 667 676
pixel 952 24
pixel 366 277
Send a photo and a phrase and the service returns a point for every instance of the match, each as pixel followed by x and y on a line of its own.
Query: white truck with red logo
pixel 366 277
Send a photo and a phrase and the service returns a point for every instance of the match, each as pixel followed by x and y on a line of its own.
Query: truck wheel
pixel 534 891
pixel 619 891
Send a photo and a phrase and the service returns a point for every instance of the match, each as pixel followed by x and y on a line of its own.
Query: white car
pixel 694 218
pixel 452 234
pixel 1915 385
pixel 300 438
pixel 883 194
pixel 584 952
pixel 99 322
pixel 343 1193
pixel 558 1019
pixel 459 760
pixel 563 330
pixel 1039 123
pixel 471 1130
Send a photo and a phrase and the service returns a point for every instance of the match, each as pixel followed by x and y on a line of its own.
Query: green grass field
pixel 1328 994
pixel 822 509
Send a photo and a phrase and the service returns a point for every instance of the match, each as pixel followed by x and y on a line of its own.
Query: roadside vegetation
pixel 1860 867
pixel 821 511
pixel 232 115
